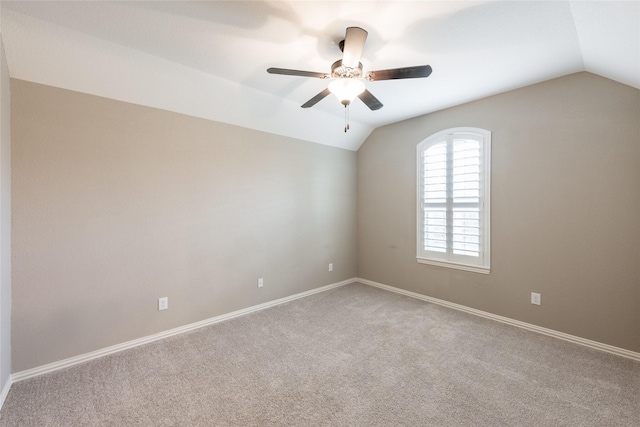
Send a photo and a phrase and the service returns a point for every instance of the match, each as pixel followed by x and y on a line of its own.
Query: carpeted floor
pixel 352 356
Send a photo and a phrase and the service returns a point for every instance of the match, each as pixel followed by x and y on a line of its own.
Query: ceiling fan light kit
pixel 347 75
pixel 346 89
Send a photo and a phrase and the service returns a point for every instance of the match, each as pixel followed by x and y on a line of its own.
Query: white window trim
pixel 485 268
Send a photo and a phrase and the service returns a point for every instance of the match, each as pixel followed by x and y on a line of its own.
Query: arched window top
pixel 459 132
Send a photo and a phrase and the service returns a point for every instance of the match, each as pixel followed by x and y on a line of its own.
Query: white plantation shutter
pixel 453 203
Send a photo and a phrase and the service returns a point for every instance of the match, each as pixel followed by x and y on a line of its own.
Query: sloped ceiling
pixel 208 59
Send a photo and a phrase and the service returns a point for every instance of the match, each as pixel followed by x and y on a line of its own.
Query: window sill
pixel 465 267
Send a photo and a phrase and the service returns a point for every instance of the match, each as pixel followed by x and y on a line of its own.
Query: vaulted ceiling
pixel 209 59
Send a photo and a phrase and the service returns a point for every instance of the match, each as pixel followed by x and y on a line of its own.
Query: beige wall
pixel 5 220
pixel 115 205
pixel 565 217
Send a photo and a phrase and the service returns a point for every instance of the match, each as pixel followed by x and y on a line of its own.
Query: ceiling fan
pixel 348 75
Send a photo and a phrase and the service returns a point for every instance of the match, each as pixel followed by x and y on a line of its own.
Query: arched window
pixel 454 170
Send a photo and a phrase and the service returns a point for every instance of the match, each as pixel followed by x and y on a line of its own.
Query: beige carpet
pixel 352 356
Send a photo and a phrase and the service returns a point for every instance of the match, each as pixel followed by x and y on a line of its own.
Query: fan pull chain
pixel 346 118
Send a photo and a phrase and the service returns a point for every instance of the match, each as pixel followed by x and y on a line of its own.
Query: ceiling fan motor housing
pixel 339 71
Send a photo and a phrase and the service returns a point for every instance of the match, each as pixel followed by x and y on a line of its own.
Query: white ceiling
pixel 209 59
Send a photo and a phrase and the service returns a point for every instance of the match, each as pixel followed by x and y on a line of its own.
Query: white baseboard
pixel 5 391
pixel 528 326
pixel 51 367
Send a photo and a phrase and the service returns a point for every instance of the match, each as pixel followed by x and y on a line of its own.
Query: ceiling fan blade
pixel 369 100
pixel 353 46
pixel 400 73
pixel 288 72
pixel 319 97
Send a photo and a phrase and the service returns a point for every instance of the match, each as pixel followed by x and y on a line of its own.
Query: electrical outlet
pixel 535 298
pixel 260 282
pixel 331 266
pixel 163 303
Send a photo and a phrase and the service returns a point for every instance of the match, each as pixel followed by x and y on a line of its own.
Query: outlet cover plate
pixel 535 298
pixel 163 303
